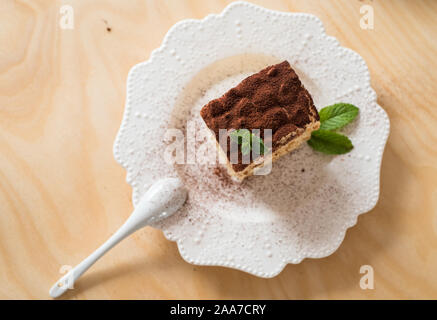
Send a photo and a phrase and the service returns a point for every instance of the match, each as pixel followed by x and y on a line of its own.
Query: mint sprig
pixel 337 116
pixel 248 141
pixel 330 142
pixel 332 118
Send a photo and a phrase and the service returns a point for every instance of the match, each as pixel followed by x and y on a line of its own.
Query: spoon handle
pixel 68 280
pixel 163 199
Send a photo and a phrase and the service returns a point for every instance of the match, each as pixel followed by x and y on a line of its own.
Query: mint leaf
pixel 330 142
pixel 241 136
pixel 245 148
pixel 257 144
pixel 337 116
pixel 248 141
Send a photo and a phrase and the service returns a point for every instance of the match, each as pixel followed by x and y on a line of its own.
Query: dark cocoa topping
pixel 273 98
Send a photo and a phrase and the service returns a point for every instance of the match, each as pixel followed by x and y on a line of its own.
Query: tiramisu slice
pixel 273 98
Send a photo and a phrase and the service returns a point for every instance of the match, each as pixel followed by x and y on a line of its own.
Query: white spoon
pixel 163 199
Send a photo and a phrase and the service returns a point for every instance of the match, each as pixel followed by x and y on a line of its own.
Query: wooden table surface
pixel 62 97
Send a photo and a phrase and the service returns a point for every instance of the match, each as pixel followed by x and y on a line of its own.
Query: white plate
pixel 304 207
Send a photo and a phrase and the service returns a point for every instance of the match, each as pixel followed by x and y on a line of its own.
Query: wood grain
pixel 61 193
